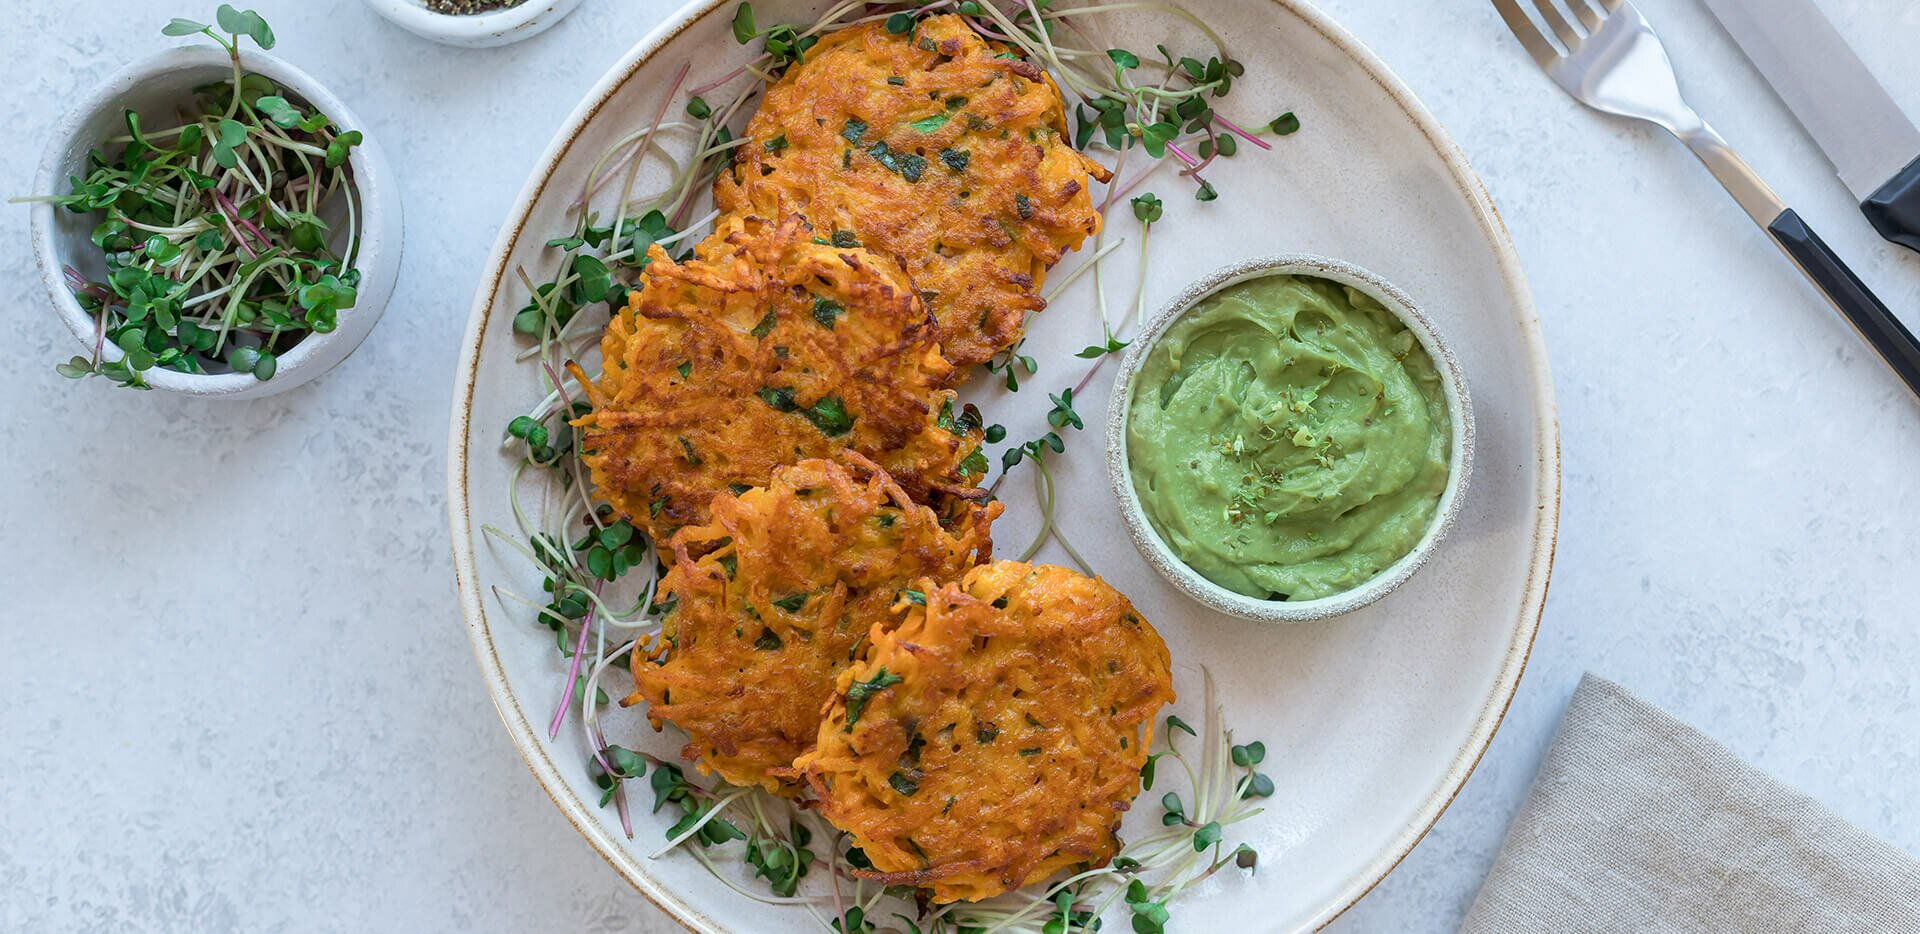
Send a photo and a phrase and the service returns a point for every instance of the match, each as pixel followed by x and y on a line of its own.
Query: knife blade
pixel 1869 140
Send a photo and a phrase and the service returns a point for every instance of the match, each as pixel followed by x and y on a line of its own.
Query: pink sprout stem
pixel 1134 185
pixel 559 386
pixel 1189 160
pixel 680 213
pixel 989 31
pixel 236 223
pixel 1213 152
pixel 79 283
pixel 723 79
pixel 620 785
pixel 1235 130
pixel 573 670
pixel 640 148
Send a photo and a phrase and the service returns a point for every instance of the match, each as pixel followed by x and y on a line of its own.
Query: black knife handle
pixel 1895 208
pixel 1856 303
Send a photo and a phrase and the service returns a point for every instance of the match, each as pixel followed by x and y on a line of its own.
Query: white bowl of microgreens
pixel 474 24
pixel 211 243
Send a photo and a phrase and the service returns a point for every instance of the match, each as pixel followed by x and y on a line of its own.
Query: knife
pixel 1863 132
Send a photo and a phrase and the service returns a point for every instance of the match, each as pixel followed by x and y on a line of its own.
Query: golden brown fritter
pixel 996 736
pixel 771 350
pixel 934 146
pixel 792 577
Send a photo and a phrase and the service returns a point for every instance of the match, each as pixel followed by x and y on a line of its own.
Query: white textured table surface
pixel 237 695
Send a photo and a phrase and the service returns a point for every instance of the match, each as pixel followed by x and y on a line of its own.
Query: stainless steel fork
pixel 1604 54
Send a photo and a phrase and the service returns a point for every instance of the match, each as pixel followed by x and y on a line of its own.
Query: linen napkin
pixel 1638 822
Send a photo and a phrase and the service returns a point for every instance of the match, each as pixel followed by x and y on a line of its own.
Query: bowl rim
pixel 1459 469
pixel 414 17
pixel 367 182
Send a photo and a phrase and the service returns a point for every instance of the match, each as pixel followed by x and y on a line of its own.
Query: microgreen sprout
pixel 1147 208
pixel 1063 414
pixel 227 238
pixel 1006 362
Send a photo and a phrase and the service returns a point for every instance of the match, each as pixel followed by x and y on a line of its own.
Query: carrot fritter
pixel 770 350
pixel 935 146
pixel 996 735
pixel 791 578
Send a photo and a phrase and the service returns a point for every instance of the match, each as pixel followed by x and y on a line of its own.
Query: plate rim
pixel 526 739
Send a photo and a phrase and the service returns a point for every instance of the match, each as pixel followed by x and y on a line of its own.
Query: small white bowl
pixel 156 87
pixel 476 31
pixel 1191 582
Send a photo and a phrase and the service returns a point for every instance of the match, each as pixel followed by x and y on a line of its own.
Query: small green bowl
pixel 1191 582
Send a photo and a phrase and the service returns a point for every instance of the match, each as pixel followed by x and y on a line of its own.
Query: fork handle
pixel 1895 208
pixel 1855 302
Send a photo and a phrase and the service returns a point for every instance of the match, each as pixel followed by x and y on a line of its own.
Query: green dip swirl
pixel 1289 438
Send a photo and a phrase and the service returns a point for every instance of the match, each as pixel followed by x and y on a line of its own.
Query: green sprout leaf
pixel 1147 208
pixel 276 108
pixel 1063 413
pixel 743 31
pixel 337 150
pixel 1260 786
pixel 245 23
pixel 1156 136
pixel 594 282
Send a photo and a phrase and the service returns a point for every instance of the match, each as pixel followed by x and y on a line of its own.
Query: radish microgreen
pixel 216 256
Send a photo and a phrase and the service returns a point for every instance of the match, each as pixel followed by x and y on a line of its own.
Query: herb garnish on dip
pixel 1289 438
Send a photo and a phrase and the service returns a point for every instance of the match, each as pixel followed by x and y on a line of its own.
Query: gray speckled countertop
pixel 236 692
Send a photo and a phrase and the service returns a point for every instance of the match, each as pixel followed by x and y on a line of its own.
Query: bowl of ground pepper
pixel 474 24
pixel 1290 439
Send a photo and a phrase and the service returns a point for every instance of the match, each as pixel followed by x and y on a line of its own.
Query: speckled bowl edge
pixel 1459 469
pixel 478 30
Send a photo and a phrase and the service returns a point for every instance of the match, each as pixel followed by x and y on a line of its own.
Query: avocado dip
pixel 1289 438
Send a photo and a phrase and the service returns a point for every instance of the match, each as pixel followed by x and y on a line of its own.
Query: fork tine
pixel 1559 23
pixel 1529 35
pixel 1590 17
pixel 1611 6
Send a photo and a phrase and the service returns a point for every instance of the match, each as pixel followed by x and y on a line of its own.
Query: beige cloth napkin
pixel 1637 822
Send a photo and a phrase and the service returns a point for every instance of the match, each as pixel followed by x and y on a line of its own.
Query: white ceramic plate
pixel 1372 720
